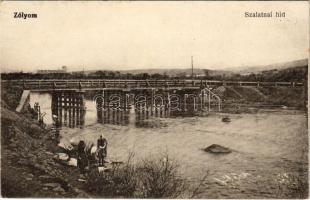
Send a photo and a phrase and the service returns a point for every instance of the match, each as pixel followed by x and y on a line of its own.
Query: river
pixel 269 158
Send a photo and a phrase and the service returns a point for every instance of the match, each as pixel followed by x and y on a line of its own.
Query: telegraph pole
pixel 192 68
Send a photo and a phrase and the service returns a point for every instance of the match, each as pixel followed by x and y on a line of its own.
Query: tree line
pixel 297 74
pixel 81 75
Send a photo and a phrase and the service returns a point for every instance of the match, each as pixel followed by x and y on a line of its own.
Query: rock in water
pixel 226 119
pixel 217 149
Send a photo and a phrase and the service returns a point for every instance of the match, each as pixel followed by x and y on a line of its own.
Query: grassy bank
pixel 259 96
pixel 149 178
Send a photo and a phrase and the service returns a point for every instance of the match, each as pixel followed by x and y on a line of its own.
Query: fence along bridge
pixel 95 84
pixel 115 98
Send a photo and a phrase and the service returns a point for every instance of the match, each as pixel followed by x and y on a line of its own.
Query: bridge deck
pixel 98 84
pixel 116 88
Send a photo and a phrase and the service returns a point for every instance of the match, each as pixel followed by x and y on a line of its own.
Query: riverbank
pixel 28 167
pixel 263 96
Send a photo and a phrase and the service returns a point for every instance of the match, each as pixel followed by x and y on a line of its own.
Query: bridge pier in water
pixel 113 106
pixel 116 106
pixel 69 107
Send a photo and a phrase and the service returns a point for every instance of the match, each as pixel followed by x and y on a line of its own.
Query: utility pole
pixel 192 68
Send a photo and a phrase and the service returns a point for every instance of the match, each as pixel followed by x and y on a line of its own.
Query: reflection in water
pixel 138 116
pixel 113 116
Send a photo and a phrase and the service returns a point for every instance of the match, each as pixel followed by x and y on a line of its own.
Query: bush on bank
pixel 149 178
pixel 121 181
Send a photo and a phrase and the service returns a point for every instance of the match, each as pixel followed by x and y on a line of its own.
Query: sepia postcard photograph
pixel 162 99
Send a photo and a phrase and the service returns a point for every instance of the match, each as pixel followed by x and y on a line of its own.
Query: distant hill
pixel 277 66
pixel 174 72
pixel 201 72
pixel 227 72
pixel 288 71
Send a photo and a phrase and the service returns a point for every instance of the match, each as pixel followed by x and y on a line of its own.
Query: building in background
pixel 53 71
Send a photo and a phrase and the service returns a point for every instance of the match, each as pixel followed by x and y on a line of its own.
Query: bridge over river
pixel 115 98
pixel 95 84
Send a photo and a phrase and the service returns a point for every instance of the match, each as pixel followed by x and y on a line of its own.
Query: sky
pixel 137 35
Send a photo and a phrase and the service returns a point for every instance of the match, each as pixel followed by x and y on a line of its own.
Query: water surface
pixel 269 148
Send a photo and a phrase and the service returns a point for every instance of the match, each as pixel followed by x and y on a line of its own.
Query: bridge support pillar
pixel 114 105
pixel 69 107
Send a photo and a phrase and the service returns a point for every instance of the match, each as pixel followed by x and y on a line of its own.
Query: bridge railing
pixel 102 83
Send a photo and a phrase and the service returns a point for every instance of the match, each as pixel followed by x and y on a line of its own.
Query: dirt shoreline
pixel 27 164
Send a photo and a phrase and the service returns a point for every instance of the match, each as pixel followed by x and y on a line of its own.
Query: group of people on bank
pixel 87 151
